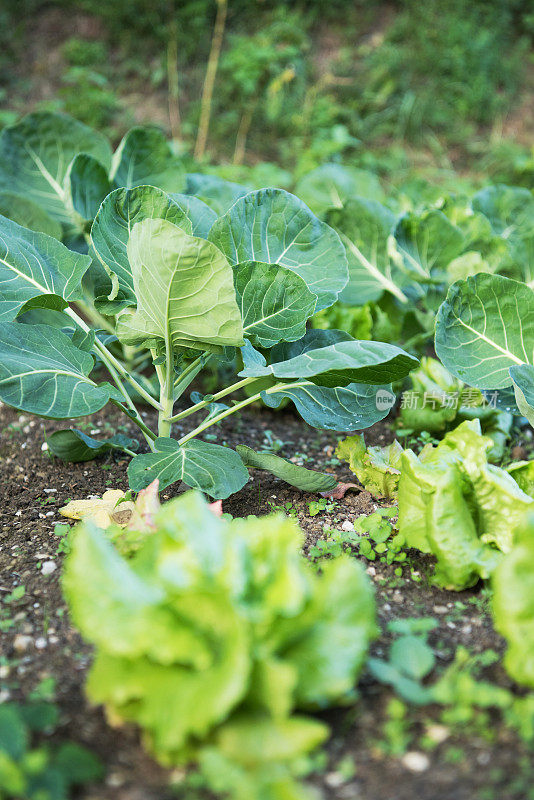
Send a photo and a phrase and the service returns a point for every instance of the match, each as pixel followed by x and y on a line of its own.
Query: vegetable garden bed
pixel 379 748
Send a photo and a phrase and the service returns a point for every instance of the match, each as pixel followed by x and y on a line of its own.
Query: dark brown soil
pixel 481 761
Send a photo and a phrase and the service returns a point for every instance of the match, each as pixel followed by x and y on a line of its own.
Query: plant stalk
pixel 209 81
pixel 172 81
pixel 203 403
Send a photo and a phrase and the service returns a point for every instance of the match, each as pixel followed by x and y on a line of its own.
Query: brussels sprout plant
pixel 173 281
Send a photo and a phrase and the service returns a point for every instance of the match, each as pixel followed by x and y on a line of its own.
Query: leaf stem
pixel 214 420
pixel 147 433
pixel 109 358
pixel 135 416
pixel 189 374
pixel 203 403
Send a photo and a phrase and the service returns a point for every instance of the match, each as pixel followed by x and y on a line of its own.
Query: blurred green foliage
pixel 300 83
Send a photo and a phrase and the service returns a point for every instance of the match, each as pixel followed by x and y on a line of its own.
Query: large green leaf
pixel 275 303
pixel 120 211
pixel 307 480
pixel 144 157
pixel 215 470
pixel 275 227
pixel 510 210
pixel 523 382
pixel 75 446
pixel 35 155
pixel 484 327
pixel 184 289
pixel 341 364
pixel 331 185
pixel 28 213
pixel 426 243
pixel 364 227
pixel 217 193
pixel 86 186
pixel 36 270
pixel 348 408
pixel 42 372
pixel 201 215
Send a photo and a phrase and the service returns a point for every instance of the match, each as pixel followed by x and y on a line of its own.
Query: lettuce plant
pixel 169 279
pixel 458 507
pixel 377 468
pixel 438 401
pixel 513 598
pixel 213 637
pixel 485 335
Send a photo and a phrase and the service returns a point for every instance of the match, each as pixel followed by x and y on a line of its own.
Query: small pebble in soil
pixel 21 643
pixel 40 643
pixel 334 779
pixel 415 762
pixel 48 567
pixel 438 733
pixel 440 609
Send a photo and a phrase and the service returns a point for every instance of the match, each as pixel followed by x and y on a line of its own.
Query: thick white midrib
pixel 380 277
pixel 21 375
pixel 46 175
pixel 491 342
pixel 43 289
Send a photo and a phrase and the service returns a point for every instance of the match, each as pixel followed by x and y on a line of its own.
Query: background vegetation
pixel 297 83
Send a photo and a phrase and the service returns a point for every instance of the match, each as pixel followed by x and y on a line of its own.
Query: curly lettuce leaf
pixel 458 507
pixel 513 604
pixel 377 468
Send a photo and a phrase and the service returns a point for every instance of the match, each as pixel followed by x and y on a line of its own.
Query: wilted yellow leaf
pixel 104 511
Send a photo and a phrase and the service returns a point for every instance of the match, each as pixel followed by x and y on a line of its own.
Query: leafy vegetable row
pixel 183 288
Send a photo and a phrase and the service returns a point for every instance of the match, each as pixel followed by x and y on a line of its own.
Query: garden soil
pixel 423 758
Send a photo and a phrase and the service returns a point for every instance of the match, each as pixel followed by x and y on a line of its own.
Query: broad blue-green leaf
pixel 275 227
pixel 426 243
pixel 217 193
pixel 510 210
pixel 36 152
pixel 348 408
pixel 523 382
pixel 36 270
pixel 274 302
pixel 201 215
pixel 86 186
pixel 332 185
pixel 184 289
pixel 314 338
pixel 307 480
pixel 364 227
pixel 342 363
pixel 74 446
pixel 484 327
pixel 28 213
pixel 144 157
pixel 42 372
pixel 215 470
pixel 114 222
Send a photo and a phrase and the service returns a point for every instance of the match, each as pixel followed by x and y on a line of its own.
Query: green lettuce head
pixel 458 507
pixel 513 603
pixel 213 634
